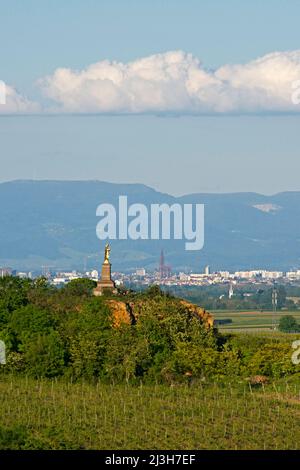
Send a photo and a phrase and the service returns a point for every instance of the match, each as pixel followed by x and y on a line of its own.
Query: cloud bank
pixel 170 83
pixel 11 102
pixel 176 82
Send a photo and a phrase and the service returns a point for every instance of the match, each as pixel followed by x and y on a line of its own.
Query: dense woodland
pixel 50 332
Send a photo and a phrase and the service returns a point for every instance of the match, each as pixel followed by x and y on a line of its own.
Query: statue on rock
pixel 106 283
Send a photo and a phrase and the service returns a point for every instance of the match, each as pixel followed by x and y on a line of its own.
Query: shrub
pixel 273 360
pixel 44 355
pixel 288 324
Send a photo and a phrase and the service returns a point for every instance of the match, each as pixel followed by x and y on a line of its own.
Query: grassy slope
pixel 57 415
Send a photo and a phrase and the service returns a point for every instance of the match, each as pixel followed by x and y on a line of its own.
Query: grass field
pixel 252 320
pixel 58 415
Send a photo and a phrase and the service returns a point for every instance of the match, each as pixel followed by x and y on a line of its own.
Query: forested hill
pixel 128 337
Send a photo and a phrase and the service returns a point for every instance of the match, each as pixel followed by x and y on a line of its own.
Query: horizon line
pixel 54 180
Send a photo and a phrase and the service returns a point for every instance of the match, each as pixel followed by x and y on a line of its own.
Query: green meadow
pixel 252 320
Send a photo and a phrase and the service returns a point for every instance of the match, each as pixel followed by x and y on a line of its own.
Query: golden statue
pixel 106 253
pixel 105 283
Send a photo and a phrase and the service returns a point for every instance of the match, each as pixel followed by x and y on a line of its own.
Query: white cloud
pixel 176 82
pixel 265 84
pixel 172 82
pixel 12 102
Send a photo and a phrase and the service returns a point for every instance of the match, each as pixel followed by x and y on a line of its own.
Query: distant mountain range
pixel 53 223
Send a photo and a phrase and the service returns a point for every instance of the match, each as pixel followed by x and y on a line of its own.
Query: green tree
pixel 86 333
pixel 288 324
pixel 85 356
pixel 29 320
pixel 127 354
pixel 80 287
pixel 281 296
pixel 13 294
pixel 273 360
pixel 44 355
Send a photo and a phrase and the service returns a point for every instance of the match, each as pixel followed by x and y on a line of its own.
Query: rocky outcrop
pixel 121 313
pixel 128 313
pixel 199 312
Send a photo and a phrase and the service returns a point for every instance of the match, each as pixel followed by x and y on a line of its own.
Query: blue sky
pixel 40 36
pixel 174 154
